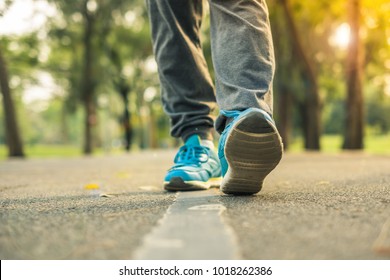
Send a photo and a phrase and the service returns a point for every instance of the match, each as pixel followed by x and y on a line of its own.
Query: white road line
pixel 192 228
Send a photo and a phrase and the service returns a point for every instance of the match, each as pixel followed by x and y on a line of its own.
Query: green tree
pixel 127 49
pixel 14 141
pixel 121 49
pixel 311 107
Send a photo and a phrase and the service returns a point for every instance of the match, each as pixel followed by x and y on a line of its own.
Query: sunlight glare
pixel 25 16
pixel 342 36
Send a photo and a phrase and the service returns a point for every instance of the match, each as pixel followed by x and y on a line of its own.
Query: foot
pixel 196 168
pixel 249 149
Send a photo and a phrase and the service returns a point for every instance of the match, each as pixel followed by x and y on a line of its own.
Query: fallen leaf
pixel 91 186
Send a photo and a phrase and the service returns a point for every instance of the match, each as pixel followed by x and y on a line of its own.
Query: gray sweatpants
pixel 243 59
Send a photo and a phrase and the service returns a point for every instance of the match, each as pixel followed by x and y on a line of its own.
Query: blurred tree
pixel 88 84
pixel 13 138
pixel 284 83
pixel 110 39
pixel 376 38
pixel 4 5
pixel 354 126
pixel 125 86
pixel 127 49
pixel 311 107
pixel 324 35
pixel 23 53
pixel 77 29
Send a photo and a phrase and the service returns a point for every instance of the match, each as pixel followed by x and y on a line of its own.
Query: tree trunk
pixel 13 139
pixel 126 118
pixel 285 116
pixel 283 75
pixel 90 121
pixel 153 135
pixel 87 86
pixel 312 117
pixel 354 126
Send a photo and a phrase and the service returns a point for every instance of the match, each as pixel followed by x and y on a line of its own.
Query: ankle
pixel 204 133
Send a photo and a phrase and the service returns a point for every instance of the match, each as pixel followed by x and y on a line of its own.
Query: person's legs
pixel 186 87
pixel 250 146
pixel 187 91
pixel 243 55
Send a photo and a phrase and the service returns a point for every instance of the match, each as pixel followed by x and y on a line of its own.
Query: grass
pixel 45 151
pixel 56 151
pixel 379 144
pixel 374 144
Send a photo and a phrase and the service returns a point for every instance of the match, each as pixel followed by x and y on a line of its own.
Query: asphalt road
pixel 312 206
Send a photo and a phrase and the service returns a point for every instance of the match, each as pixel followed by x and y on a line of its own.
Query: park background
pixel 79 77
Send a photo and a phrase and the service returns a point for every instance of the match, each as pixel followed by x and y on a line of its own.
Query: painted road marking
pixel 192 228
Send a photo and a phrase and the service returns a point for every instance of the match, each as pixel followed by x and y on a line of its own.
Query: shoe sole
pixel 251 156
pixel 178 184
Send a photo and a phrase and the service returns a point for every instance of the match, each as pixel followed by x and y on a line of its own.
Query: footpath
pixel 313 206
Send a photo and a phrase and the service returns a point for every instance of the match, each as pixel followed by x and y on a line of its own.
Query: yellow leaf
pixel 91 186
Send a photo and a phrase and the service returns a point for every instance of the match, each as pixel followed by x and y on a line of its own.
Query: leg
pixel 187 92
pixel 250 146
pixel 243 55
pixel 186 87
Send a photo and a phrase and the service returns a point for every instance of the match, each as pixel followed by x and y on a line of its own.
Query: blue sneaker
pixel 249 149
pixel 196 168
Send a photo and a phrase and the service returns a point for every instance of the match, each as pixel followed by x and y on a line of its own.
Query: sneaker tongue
pixel 193 140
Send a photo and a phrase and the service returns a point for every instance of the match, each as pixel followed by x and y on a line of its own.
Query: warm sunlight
pixel 341 37
pixel 25 16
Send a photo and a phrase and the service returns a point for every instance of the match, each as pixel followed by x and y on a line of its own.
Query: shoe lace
pixel 190 154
